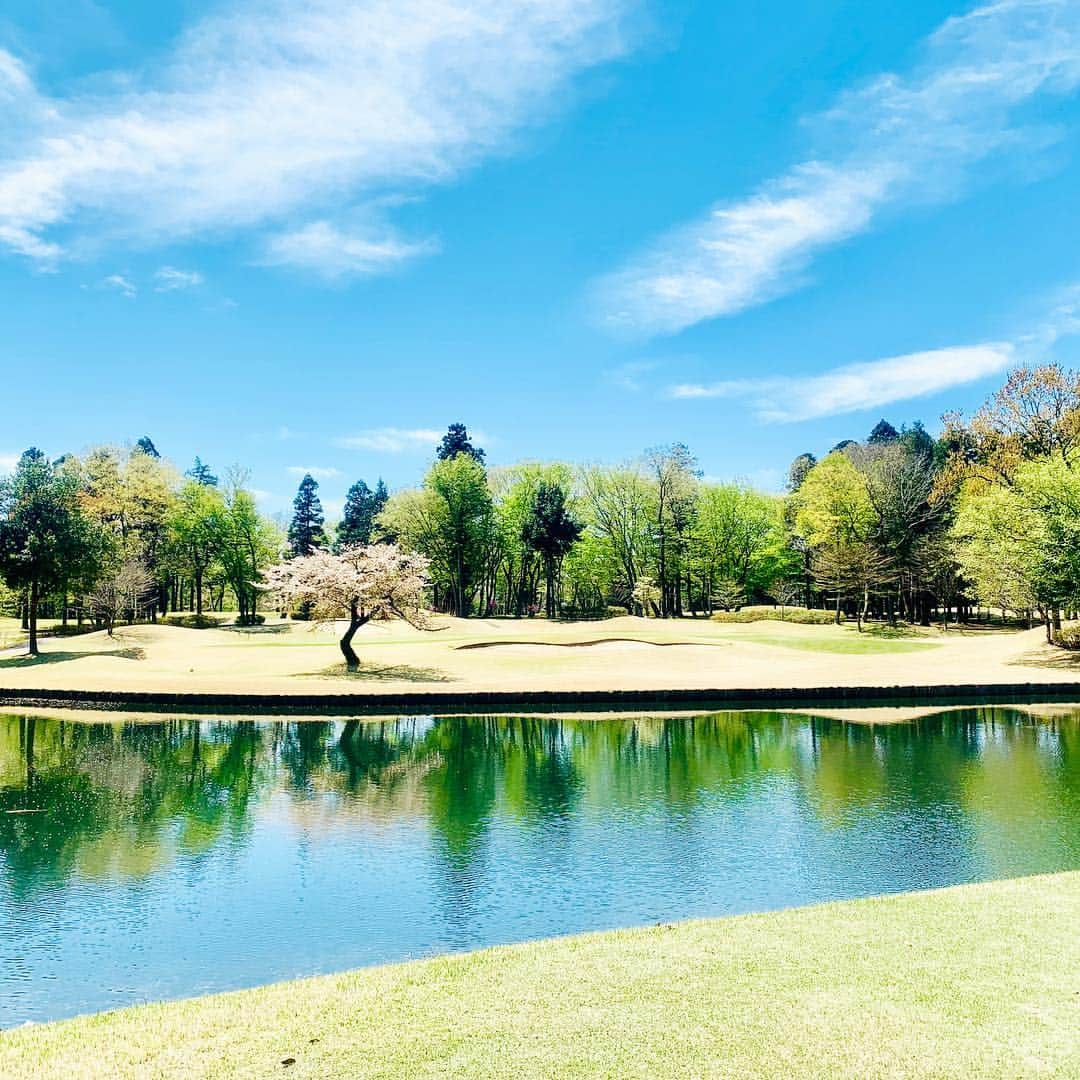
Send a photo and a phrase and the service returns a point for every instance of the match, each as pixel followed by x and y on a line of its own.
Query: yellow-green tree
pixel 836 517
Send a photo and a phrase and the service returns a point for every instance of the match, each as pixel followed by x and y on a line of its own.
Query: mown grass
pixel 845 643
pixel 976 981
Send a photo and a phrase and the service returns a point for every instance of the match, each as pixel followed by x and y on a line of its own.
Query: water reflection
pixel 149 860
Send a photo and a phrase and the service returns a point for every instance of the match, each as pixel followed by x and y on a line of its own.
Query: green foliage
pixel 799 615
pixel 1019 543
pixel 46 541
pixel 883 432
pixel 201 474
pixel 799 470
pixel 551 532
pixel 245 545
pixel 456 441
pixel 362 507
pixel 195 622
pixel 739 539
pixel 196 525
pixel 1068 637
pixel 451 520
pixel 306 534
pixel 834 503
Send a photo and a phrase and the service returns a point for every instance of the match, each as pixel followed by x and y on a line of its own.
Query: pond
pixel 166 859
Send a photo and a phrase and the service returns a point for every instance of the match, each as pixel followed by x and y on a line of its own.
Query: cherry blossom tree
pixel 358 584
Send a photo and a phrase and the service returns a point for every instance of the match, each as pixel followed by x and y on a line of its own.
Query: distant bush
pixel 1068 637
pixel 251 620
pixel 759 613
pixel 194 622
pixel 899 630
pixel 590 614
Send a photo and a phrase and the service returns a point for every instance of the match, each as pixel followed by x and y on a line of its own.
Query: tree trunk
pixel 31 618
pixel 356 620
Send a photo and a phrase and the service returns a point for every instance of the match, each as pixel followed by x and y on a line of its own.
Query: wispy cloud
pixel 272 117
pixel 169 279
pixel 629 376
pixel 315 471
pixel 124 286
pixel 8 463
pixel 898 140
pixel 334 252
pixel 854 387
pixel 391 440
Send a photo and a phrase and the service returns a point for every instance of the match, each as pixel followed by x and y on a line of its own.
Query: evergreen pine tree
pixel 456 441
pixel 382 496
pixel 306 533
pixel 146 446
pixel 201 474
pixel 551 531
pixel 356 518
pixel 362 506
pixel 883 432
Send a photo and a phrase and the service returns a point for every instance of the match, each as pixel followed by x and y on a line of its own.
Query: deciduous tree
pixel 46 540
pixel 377 581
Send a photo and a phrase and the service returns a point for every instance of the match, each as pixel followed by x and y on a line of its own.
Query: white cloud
pixel 392 440
pixel 629 376
pixel 169 279
pixel 273 116
pixel 124 286
pixel 854 387
pixel 333 251
pixel 898 140
pixel 317 473
pixel 8 461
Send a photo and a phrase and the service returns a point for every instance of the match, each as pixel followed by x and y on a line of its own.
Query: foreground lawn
pixel 981 980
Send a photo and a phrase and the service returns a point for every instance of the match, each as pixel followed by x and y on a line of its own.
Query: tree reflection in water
pixel 322 843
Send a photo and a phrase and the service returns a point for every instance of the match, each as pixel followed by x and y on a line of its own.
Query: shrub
pixel 759 613
pixel 194 622
pixel 1068 637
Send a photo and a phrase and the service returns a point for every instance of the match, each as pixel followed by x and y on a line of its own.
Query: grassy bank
pixel 981 980
pixel 512 656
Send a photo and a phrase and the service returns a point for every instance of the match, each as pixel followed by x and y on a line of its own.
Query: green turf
pixel 850 643
pixel 977 981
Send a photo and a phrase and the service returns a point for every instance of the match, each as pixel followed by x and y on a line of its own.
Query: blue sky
pixel 309 238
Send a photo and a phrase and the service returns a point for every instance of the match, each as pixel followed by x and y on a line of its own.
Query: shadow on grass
pixel 368 672
pixel 885 632
pixel 24 661
pixel 1050 658
pixel 271 628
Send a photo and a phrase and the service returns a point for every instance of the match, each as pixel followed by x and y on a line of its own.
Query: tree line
pixel 899 525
